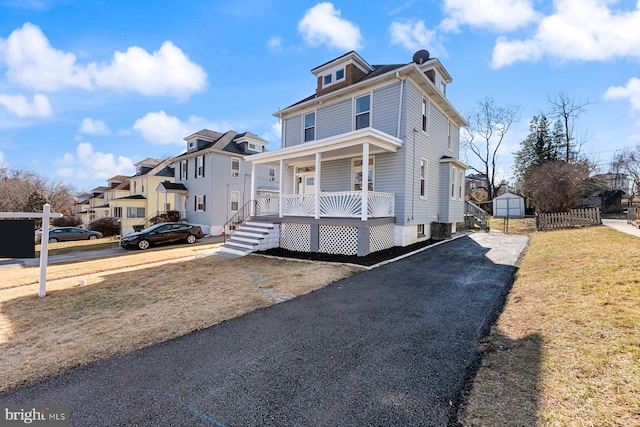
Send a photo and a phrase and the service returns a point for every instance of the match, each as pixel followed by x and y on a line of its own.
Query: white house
pixel 369 161
pixel 212 178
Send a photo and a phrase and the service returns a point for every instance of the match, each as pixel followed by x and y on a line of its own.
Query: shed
pixel 508 205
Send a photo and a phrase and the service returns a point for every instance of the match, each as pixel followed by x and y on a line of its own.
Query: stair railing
pixel 238 218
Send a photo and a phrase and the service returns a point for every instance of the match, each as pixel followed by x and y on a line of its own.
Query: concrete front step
pixel 247 238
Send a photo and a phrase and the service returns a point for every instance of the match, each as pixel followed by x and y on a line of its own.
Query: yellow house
pixel 145 197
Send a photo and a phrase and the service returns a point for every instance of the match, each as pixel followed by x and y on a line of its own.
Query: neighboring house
pixel 97 207
pixel 81 207
pixel 398 118
pixel 218 178
pixel 141 197
pixel 614 181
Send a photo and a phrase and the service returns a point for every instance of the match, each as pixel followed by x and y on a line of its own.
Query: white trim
pixel 304 126
pixel 424 178
pixel 235 174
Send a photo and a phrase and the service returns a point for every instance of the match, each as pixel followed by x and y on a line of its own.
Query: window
pixel 135 187
pixel 117 211
pixel 309 127
pixel 235 168
pixel 363 109
pixel 420 230
pixel 449 145
pixel 235 201
pixel 423 179
pixel 199 203
pixel 200 167
pixel 183 170
pixel 460 185
pixel 133 212
pixel 142 186
pixel 357 174
pixel 272 173
pixel 255 147
pixel 454 178
pixel 192 144
pixel 340 74
pixel 425 115
pixel 327 79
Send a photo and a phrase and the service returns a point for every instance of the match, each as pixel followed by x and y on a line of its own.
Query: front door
pixel 305 180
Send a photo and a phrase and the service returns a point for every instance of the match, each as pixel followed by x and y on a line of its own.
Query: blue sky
pixel 88 88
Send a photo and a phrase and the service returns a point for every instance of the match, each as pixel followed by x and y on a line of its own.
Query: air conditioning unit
pixel 441 230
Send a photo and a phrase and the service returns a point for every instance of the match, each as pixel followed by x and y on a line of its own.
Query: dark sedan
pixel 162 233
pixel 66 234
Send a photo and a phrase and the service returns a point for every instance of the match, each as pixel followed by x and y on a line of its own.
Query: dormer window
pixel 192 145
pixel 333 77
pixel 254 147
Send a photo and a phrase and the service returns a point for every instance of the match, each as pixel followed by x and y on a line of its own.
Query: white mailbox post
pixel 46 215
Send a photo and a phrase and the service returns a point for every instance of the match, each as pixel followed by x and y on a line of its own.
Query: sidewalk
pixel 621 225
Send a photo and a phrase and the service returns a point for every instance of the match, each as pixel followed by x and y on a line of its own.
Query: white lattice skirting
pixel 381 237
pixel 295 237
pixel 336 239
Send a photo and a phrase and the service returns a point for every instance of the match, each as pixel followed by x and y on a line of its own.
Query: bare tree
pixel 568 110
pixel 628 162
pixel 558 186
pixel 487 127
pixel 16 186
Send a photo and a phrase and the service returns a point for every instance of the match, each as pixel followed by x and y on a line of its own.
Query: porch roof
pixel 342 146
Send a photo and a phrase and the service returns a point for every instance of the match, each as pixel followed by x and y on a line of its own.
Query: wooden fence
pixel 574 218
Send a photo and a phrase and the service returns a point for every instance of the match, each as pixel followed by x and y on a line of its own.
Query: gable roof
pixel 230 142
pixel 386 72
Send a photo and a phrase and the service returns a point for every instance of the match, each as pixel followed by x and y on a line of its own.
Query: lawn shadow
pixel 506 386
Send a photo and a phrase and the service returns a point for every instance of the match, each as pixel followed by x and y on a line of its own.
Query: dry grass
pixel 19 276
pixel 514 226
pixel 566 349
pixel 117 313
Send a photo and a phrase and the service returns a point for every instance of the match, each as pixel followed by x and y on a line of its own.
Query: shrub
pixel 67 221
pixel 107 226
pixel 168 216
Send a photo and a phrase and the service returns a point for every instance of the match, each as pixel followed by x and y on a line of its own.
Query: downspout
pixel 399 104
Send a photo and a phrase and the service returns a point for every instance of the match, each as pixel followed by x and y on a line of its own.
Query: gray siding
pixel 336 175
pixel 216 186
pixel 292 131
pixel 334 119
pixel 385 108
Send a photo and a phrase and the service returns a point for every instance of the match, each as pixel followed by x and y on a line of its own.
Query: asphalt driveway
pixel 391 346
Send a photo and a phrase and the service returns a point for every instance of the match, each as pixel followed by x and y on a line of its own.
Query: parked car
pixel 66 234
pixel 162 233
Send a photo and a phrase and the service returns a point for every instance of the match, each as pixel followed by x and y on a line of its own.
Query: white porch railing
pixel 347 204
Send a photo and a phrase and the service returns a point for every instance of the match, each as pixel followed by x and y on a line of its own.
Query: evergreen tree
pixel 541 146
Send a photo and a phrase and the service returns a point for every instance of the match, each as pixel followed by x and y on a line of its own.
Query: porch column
pixel 365 181
pixel 317 186
pixel 252 208
pixel 280 187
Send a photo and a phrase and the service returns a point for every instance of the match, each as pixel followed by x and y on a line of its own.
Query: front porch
pixel 327 200
pixel 344 204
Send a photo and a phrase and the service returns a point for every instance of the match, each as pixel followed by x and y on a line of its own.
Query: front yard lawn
pixel 566 349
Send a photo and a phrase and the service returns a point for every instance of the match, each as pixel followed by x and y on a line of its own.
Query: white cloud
pixel 165 72
pixel 275 44
pixel 415 36
pixel 588 30
pixel 323 24
pixel 20 106
pixel 631 92
pixel 32 62
pixel 274 135
pixel 160 128
pixel 498 15
pixel 90 126
pixel 88 164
